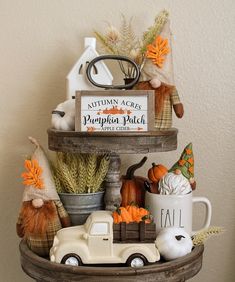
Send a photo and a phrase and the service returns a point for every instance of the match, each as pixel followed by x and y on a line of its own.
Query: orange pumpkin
pixel 116 217
pixel 134 211
pixel 145 215
pixel 156 172
pixel 133 190
pixel 122 215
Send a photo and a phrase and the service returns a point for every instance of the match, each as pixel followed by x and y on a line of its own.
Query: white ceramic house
pixel 77 79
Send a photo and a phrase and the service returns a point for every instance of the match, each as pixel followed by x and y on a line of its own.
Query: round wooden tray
pixel 106 142
pixel 43 270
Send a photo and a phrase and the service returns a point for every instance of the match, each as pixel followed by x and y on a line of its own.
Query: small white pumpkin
pixel 173 243
pixel 63 117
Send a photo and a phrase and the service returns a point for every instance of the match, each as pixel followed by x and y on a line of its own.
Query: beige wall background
pixel 40 40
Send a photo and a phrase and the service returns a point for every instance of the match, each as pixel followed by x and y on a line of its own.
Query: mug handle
pixel 207 203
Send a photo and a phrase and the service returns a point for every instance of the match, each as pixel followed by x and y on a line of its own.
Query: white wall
pixel 39 42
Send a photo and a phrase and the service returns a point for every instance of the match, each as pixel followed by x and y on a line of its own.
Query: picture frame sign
pixel 114 110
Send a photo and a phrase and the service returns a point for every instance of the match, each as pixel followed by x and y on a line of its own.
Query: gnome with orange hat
pixel 157 74
pixel 42 213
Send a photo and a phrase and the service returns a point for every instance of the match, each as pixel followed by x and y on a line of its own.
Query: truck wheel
pixel 71 259
pixel 136 260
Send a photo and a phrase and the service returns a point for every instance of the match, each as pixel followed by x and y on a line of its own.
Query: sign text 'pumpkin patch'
pixel 98 111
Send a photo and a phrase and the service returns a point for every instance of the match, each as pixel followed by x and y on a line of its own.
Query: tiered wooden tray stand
pixel 43 270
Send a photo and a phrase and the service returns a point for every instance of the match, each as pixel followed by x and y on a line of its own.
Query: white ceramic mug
pixel 175 210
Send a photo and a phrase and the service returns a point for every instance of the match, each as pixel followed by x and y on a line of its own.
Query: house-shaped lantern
pixel 77 79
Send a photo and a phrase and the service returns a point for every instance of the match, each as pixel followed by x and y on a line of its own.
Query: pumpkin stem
pixel 179 237
pixel 145 217
pixel 130 171
pixel 153 164
pixel 118 210
pixel 60 113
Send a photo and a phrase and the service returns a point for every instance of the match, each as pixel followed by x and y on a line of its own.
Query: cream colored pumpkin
pixel 173 243
pixel 63 117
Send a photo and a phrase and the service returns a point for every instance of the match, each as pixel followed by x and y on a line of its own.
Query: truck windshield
pixel 99 228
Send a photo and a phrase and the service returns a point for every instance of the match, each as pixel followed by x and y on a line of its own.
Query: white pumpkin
pixel 173 243
pixel 63 117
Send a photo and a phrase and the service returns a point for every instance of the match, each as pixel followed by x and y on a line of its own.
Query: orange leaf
pixel 33 173
pixel 158 50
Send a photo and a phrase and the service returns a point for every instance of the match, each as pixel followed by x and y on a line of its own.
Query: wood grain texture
pixel 134 232
pixel 112 183
pixel 106 142
pixel 43 270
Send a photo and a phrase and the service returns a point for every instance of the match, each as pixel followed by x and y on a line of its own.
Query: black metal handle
pixel 117 58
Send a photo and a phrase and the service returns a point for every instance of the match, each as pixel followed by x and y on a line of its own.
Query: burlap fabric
pixel 164 119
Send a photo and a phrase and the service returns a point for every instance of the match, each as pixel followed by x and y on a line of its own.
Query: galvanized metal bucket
pixel 80 206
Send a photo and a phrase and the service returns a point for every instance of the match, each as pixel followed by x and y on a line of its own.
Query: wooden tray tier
pixel 106 142
pixel 177 270
pixel 114 143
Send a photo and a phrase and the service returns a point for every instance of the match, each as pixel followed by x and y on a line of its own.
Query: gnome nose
pixel 37 203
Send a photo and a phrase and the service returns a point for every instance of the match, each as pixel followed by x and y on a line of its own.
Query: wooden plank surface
pixel 134 232
pixel 43 270
pixel 106 142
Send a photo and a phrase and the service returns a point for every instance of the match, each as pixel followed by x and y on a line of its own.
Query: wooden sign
pixel 115 110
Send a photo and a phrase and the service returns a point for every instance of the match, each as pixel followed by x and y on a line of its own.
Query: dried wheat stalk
pixel 200 237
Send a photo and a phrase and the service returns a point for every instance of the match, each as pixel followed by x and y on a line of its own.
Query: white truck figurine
pixel 95 243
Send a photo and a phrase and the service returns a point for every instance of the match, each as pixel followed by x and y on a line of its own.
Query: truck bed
pixel 134 232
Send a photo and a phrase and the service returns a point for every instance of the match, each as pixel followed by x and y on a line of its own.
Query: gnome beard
pixel 161 93
pixel 36 218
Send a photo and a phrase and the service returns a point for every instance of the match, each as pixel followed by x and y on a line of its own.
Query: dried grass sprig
pixel 123 41
pixel 200 237
pixel 73 167
pixel 59 187
pixel 128 40
pixel 66 178
pixel 102 170
pixel 91 171
pixel 79 173
pixel 82 176
pixel 104 42
pixel 154 30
